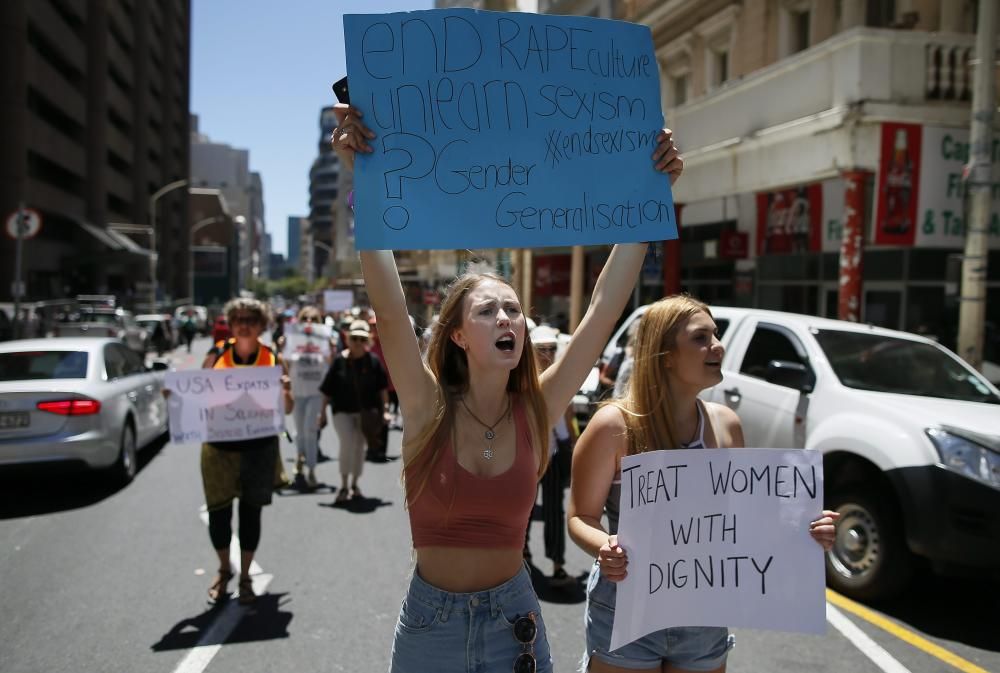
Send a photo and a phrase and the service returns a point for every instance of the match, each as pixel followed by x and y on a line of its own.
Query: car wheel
pixel 124 469
pixel 869 558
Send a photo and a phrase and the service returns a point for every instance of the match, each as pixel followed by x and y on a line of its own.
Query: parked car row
pixel 910 436
pixel 86 400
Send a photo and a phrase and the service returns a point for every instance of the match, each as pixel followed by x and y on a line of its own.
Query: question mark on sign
pixel 416 161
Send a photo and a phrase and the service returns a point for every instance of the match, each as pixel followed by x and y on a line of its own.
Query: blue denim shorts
pixel 449 632
pixel 694 648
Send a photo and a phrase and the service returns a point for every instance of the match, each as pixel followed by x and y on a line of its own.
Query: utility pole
pixel 972 300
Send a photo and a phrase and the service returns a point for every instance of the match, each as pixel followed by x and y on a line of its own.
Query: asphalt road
pixel 94 579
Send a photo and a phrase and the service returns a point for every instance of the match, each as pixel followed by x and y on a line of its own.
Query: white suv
pixel 908 432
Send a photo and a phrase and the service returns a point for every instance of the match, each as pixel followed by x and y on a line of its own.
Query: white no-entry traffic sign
pixel 28 219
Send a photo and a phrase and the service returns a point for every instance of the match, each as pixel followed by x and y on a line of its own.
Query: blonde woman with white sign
pixel 677 355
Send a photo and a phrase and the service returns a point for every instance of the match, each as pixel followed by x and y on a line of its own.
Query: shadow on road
pixel 960 610
pixel 31 490
pixel 264 620
pixel 570 594
pixel 358 505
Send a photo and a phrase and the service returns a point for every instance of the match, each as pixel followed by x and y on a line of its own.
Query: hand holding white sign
pixel 217 405
pixel 708 534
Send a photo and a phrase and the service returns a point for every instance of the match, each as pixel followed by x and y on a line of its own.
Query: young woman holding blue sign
pixel 677 354
pixel 477 416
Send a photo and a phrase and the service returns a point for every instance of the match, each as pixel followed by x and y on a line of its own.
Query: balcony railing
pixel 862 64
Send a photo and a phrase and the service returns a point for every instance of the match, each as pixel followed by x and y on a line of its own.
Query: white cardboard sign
pixel 307 348
pixel 224 405
pixel 720 537
pixel 337 300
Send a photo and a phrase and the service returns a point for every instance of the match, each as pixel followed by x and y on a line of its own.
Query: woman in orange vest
pixel 244 469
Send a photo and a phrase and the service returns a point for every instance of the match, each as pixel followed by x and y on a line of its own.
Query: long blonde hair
pixel 648 398
pixel 450 367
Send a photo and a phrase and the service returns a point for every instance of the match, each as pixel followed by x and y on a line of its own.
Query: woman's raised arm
pixel 414 384
pixel 614 286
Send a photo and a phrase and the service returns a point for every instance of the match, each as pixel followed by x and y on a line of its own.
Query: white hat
pixel 543 335
pixel 359 328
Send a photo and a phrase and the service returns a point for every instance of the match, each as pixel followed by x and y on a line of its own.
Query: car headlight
pixel 966 456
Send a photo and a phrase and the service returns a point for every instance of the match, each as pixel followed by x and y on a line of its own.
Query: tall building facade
pixel 220 166
pixel 295 224
pixel 94 100
pixel 323 191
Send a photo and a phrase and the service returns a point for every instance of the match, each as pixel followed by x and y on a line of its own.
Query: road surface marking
pixel 212 640
pixel 903 634
pixel 861 640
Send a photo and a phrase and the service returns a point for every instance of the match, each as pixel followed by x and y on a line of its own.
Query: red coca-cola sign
pixel 788 220
pixel 898 179
pixel 734 244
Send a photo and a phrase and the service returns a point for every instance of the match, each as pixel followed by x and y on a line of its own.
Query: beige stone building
pixel 796 115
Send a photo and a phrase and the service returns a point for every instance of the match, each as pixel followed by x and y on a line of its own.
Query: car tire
pixel 127 464
pixel 869 559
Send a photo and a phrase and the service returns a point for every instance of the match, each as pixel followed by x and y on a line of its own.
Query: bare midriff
pixel 464 570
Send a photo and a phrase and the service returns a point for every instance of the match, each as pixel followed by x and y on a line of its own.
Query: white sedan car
pixel 86 400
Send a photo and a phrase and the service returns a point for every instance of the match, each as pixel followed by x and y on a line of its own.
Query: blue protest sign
pixel 503 130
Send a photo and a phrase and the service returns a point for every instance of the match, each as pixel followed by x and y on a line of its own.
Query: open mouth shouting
pixel 506 342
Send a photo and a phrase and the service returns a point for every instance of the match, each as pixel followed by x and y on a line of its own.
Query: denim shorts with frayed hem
pixel 693 648
pixel 473 632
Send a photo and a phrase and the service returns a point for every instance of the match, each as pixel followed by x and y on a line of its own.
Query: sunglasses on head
pixel 525 631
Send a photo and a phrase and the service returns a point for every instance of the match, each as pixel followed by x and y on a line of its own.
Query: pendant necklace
pixel 489 435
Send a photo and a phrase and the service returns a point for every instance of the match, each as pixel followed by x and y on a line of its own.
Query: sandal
pixel 217 591
pixel 356 493
pixel 247 596
pixel 342 495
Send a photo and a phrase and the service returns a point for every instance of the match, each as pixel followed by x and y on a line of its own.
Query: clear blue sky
pixel 260 72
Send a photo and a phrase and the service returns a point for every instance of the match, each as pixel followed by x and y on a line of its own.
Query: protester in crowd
pixel 279 329
pixel 376 349
pixel 625 371
pixel 476 419
pixel 355 389
pixel 677 355
pixel 545 340
pixel 246 469
pixel 307 370
pixel 188 330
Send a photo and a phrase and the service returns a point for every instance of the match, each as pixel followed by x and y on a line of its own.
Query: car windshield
pixel 30 365
pixel 90 317
pixel 889 365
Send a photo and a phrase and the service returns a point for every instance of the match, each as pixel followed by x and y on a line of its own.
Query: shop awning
pixel 114 240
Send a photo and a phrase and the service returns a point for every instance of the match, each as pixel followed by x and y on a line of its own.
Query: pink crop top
pixel 459 509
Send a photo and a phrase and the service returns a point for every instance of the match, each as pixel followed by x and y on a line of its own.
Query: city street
pixel 98 580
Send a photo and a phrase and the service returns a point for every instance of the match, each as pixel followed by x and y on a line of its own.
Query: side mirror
pixel 159 366
pixel 793 375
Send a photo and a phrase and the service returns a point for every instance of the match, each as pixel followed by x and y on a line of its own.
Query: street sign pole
pixel 18 288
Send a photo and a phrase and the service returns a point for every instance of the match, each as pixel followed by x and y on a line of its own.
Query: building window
pixel 800 31
pixel 880 13
pixel 679 88
pixel 793 27
pixel 718 67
